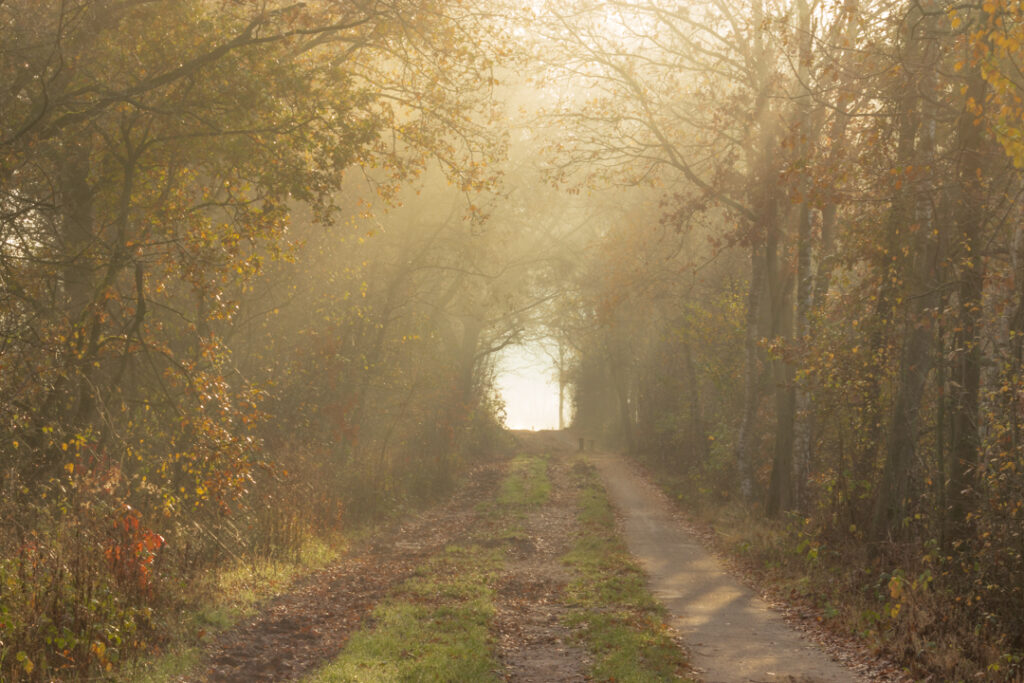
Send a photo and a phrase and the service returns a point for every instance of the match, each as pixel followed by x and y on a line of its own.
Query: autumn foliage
pixel 170 175
pixel 257 259
pixel 820 318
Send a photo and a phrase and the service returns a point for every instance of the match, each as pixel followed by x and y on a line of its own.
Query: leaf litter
pixel 309 624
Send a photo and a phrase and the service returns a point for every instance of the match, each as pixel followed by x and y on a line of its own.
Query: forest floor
pixel 550 594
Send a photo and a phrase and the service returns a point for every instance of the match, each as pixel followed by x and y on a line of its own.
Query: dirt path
pixel 533 643
pixel 309 624
pixel 732 634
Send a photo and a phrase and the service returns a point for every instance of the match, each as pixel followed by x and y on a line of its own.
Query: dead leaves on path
pixel 533 643
pixel 310 624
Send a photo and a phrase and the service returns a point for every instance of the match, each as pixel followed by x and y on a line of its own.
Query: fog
pixel 528 385
pixel 271 270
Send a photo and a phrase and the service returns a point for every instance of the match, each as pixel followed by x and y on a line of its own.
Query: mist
pixel 280 279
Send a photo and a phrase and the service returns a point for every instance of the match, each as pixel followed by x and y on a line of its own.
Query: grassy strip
pixel 436 625
pixel 231 594
pixel 526 485
pixel 617 618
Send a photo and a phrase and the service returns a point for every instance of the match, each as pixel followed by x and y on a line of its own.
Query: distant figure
pixel 581 444
pixel 592 445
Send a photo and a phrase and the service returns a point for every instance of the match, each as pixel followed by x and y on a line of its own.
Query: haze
pixel 278 280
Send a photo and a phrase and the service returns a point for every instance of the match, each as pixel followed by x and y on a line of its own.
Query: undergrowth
pixel 98 579
pixel 227 596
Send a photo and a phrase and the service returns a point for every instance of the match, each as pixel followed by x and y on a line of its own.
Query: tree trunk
pixel 803 435
pixel 898 220
pixel 966 371
pixel 780 287
pixel 622 393
pixel 751 379
pixel 915 365
pixel 698 434
pixel 76 205
pixel 921 296
pixel 561 385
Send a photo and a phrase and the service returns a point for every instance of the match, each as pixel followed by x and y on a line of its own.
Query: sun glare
pixel 526 384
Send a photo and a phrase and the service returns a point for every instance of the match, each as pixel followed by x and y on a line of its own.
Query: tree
pixel 155 158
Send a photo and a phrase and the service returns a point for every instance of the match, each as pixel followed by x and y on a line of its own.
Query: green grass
pixel 616 617
pixel 437 624
pixel 527 484
pixel 435 627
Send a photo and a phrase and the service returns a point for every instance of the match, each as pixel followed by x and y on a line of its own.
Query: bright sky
pixel 526 382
